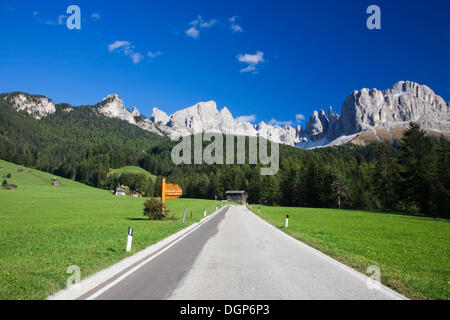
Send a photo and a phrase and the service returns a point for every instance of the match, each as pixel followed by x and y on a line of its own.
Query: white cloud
pixel 136 57
pixel 208 24
pixel 202 23
pixel 61 19
pixel 36 16
pixel 198 24
pixel 299 117
pixel 126 45
pixel 128 49
pixel 250 118
pixel 279 123
pixel 96 16
pixel 152 54
pixel 193 33
pixel 196 21
pixel 251 59
pixel 234 27
pixel 248 68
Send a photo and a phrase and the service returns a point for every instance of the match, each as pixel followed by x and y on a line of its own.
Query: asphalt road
pixel 236 255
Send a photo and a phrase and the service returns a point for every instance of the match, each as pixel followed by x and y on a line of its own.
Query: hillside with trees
pixel 411 175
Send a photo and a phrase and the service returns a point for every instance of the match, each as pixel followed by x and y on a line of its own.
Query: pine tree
pixel 416 162
pixel 441 181
pixel 385 178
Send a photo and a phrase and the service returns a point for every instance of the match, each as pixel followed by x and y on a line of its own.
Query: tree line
pixel 409 175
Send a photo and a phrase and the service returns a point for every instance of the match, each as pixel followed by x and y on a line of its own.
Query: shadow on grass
pixel 168 218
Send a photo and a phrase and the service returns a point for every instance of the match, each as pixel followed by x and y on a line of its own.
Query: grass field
pixel 134 170
pixel 44 229
pixel 413 253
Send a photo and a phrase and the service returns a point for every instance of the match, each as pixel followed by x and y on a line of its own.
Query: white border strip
pixel 339 264
pixel 104 275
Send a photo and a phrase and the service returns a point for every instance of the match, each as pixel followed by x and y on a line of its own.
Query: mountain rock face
pixel 365 111
pixel 37 106
pixel 370 110
pixel 112 106
pixel 405 102
pixel 159 116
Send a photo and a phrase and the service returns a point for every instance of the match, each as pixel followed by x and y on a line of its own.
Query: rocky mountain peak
pixel 135 112
pixel 314 125
pixel 112 106
pixel 365 110
pixel 159 116
pixel 35 105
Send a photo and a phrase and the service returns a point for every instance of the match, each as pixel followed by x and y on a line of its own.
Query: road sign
pixel 170 191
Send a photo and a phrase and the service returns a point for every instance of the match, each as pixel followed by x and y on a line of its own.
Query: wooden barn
pixel 237 196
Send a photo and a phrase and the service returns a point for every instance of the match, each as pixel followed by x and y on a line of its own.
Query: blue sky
pixel 266 59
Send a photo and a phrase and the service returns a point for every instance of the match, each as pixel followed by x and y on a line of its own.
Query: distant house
pixel 237 196
pixel 9 187
pixel 119 192
pixel 20 170
pixel 136 194
pixel 56 183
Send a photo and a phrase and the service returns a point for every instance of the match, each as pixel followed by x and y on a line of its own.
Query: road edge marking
pixel 140 258
pixel 382 288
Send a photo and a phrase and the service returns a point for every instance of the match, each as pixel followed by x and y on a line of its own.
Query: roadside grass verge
pixel 412 252
pixel 44 229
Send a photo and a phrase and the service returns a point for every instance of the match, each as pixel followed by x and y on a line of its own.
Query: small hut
pixel 20 170
pixel 119 192
pixel 10 187
pixel 136 194
pixel 237 196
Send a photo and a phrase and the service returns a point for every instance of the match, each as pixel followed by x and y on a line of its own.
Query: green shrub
pixel 5 182
pixel 154 209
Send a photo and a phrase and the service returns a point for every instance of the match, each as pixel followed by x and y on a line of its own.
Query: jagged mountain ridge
pixel 365 111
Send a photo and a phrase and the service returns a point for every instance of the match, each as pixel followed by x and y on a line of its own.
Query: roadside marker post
pixel 204 212
pixel 184 215
pixel 130 238
pixel 287 220
pixel 191 214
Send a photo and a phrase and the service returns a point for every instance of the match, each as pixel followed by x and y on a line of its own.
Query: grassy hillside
pixel 413 253
pixel 133 169
pixel 44 229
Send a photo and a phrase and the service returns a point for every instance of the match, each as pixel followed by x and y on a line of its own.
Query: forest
pixel 411 175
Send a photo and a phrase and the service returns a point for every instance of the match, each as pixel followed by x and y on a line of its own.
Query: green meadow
pixel 413 253
pixel 133 169
pixel 44 229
